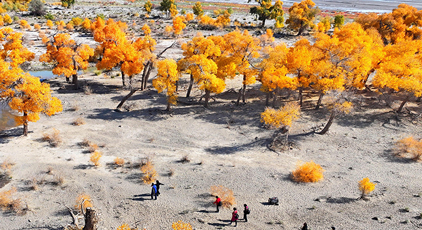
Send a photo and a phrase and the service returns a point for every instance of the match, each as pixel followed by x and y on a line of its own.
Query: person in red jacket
pixel 235 217
pixel 218 203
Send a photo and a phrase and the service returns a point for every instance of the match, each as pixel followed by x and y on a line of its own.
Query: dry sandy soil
pixel 228 146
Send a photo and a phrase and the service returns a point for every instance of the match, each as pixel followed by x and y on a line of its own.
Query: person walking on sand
pixel 153 191
pixel 218 203
pixel 246 212
pixel 157 183
pixel 305 226
pixel 235 217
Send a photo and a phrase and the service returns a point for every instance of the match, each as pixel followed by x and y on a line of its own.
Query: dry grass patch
pixel 119 161
pixel 95 157
pixel 149 172
pixel 9 203
pixel 226 195
pixel 58 180
pixel 185 159
pixel 79 121
pixel 53 138
pixel 409 148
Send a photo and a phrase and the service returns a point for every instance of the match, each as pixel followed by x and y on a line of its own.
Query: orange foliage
pixel 180 225
pixel 365 186
pixel 83 201
pixel 308 172
pixel 37 27
pixel 149 172
pixel 26 94
pixel 226 195
pixel 281 117
pixel 13 47
pixel 119 161
pixel 178 24
pixel 166 79
pixel 50 24
pixel 95 157
pixel 68 56
pixel 409 148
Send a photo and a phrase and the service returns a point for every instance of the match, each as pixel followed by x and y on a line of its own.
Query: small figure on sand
pixel 153 191
pixel 246 212
pixel 305 226
pixel 235 217
pixel 157 183
pixel 218 203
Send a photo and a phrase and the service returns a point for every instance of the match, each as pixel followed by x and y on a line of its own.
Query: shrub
pixel 225 194
pixel 119 161
pixel 149 172
pixel 95 157
pixel 49 16
pixel 409 148
pixel 92 147
pixel 308 172
pixel 37 27
pixel 185 159
pixel 365 186
pixel 180 225
pixel 58 180
pixel 6 166
pixel 8 203
pixel 36 7
pixel 79 121
pixel 124 227
pixel 82 202
pixel 53 138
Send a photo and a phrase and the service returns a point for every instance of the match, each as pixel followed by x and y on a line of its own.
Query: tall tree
pixel 26 94
pixel 67 56
pixel 401 69
pixel 266 11
pixel 166 79
pixel 302 16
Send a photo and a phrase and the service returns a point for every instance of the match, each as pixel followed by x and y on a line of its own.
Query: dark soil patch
pixel 4 179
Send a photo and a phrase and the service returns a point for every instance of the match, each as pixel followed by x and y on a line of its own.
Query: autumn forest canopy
pixel 377 52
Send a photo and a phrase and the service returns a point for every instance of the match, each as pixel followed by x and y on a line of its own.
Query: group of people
pixel 235 214
pixel 155 189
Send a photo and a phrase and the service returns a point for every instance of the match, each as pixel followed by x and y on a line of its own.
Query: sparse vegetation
pixel 180 225
pixel 53 138
pixel 95 157
pixel 83 201
pixel 119 161
pixel 365 186
pixel 226 195
pixel 149 173
pixel 79 121
pixel 409 148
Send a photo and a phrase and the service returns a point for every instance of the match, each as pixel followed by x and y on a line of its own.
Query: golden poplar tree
pixel 302 16
pixel 26 94
pixel 13 48
pixel 401 69
pixel 166 80
pixel 68 56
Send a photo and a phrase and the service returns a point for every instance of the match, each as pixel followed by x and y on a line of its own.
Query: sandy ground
pixel 227 146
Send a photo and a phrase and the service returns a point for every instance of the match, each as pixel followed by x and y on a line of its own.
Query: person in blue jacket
pixel 153 191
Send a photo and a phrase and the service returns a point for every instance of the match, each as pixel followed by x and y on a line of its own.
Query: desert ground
pixel 225 145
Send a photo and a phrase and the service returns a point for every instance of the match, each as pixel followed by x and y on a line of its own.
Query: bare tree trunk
pixel 244 94
pixel 123 78
pixel 267 99
pixel 25 124
pixel 207 98
pixel 275 97
pixel 238 97
pixel 402 105
pixel 126 98
pixel 319 101
pixel 75 81
pixel 190 86
pixel 147 75
pixel 300 96
pixel 67 79
pixel 130 80
pixel 329 123
pixel 168 106
pixel 90 219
